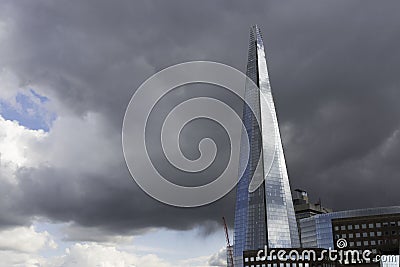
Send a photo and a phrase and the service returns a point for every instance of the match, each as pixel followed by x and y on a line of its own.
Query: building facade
pixel 265 216
pixel 376 229
pixel 378 233
pixel 303 208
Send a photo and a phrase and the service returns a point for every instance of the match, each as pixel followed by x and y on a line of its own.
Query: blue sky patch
pixel 30 111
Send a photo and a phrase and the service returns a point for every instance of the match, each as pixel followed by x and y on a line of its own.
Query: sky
pixel 68 70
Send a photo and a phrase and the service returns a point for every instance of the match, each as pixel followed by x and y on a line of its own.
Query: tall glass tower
pixel 266 215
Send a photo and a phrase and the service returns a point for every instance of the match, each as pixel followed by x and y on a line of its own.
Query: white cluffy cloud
pixel 96 254
pixel 25 240
pixel 17 144
pixel 92 254
pixel 21 246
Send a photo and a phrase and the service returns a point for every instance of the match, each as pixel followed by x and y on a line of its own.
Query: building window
pixel 373 242
pixel 365 243
pixel 372 234
pixel 358 243
pixel 385 224
pixel 351 244
pixel 365 234
pixel 371 225
pixel 392 223
pixel 350 227
pixel 336 228
pixel 343 235
pixel 342 227
pixel 378 225
pixel 351 235
pixel 364 226
pixel 356 226
pixel 358 235
pixel 379 233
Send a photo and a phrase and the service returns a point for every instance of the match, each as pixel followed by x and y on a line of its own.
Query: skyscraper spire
pixel 264 215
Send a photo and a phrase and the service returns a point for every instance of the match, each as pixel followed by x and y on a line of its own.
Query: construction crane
pixel 229 248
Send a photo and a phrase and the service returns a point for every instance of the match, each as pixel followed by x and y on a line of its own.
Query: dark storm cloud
pixel 104 201
pixel 334 72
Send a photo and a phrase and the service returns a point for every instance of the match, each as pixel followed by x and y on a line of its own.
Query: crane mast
pixel 229 248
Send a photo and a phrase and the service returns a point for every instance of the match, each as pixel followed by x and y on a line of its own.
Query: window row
pixel 365 225
pixel 368 234
pixel 373 243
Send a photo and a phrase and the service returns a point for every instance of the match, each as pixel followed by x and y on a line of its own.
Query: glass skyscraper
pixel 266 215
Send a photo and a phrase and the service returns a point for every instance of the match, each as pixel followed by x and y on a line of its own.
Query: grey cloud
pixel 110 201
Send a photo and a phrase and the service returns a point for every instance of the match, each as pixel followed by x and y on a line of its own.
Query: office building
pixel 265 216
pixel 303 208
pixel 376 229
